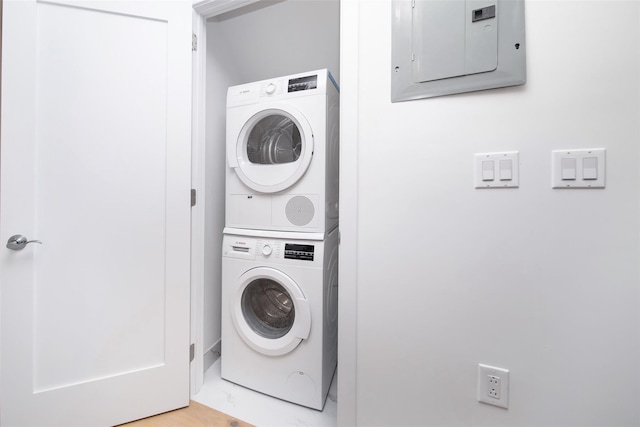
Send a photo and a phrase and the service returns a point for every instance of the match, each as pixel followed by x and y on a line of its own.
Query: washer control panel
pixel 273 249
pixel 269 248
pixel 266 249
pixel 297 251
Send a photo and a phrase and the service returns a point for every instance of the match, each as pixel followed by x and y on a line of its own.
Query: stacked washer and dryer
pixel 280 244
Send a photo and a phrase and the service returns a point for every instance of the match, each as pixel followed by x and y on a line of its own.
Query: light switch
pixel 568 165
pixel 497 170
pixel 506 170
pixel 487 170
pixel 582 168
pixel 590 168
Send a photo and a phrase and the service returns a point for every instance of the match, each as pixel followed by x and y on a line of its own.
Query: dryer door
pixel 273 149
pixel 270 311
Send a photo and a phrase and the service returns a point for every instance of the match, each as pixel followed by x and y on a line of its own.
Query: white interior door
pixel 95 163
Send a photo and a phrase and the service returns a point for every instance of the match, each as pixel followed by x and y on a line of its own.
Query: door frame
pixel 202 10
pixel 347 291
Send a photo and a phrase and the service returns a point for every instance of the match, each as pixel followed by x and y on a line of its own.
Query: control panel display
pixel 301 252
pixel 303 83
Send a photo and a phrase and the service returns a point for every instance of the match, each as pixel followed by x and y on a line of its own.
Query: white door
pixel 95 163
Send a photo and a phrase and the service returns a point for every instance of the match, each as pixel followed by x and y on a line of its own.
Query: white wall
pixel 275 38
pixel 220 73
pixel 542 282
pixel 266 39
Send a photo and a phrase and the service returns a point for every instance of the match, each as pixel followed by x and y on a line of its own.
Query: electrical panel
pixel 442 47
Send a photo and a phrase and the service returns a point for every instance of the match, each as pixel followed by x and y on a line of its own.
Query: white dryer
pixel 283 154
pixel 280 313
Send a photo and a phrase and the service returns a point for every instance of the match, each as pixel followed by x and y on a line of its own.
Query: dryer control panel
pixel 310 83
pixel 303 83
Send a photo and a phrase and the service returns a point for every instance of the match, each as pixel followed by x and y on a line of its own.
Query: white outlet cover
pixel 485 372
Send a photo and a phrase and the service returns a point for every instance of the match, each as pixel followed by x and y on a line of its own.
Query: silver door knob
pixel 18 242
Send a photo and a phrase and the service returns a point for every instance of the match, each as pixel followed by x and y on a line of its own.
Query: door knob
pixel 18 242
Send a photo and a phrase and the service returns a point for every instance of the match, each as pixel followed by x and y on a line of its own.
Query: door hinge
pixel 192 352
pixel 194 42
pixel 193 197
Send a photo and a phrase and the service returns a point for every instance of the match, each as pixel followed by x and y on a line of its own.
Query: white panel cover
pixel 448 43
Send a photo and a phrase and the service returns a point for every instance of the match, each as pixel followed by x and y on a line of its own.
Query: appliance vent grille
pixel 300 210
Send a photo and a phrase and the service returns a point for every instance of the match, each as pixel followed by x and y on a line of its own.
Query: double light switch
pixel 578 168
pixel 497 170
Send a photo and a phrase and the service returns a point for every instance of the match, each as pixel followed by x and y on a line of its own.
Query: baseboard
pixel 211 355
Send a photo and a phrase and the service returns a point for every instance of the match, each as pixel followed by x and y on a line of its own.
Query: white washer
pixel 279 313
pixel 283 154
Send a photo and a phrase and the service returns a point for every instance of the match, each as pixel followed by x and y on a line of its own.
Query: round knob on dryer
pixel 270 89
pixel 266 250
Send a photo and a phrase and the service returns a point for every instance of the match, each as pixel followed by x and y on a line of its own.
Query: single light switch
pixel 568 165
pixel 487 170
pixel 590 168
pixel 506 170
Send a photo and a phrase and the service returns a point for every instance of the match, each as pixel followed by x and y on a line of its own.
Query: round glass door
pixel 270 312
pixel 273 150
pixel 273 140
pixel 268 308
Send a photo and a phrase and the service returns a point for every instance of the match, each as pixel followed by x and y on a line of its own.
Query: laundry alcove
pixel 239 41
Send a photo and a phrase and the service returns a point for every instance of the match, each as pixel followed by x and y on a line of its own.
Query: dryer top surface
pixel 311 83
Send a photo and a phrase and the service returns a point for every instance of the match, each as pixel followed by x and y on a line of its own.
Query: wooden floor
pixel 194 415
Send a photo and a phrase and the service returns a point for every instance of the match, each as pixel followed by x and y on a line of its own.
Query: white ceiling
pixel 276 38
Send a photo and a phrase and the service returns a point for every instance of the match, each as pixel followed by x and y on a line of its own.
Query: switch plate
pixel 493 385
pixel 583 168
pixel 497 170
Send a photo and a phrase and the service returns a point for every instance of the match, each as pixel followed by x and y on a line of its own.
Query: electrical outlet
pixel 493 385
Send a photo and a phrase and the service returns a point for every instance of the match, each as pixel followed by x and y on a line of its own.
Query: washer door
pixel 273 149
pixel 270 312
